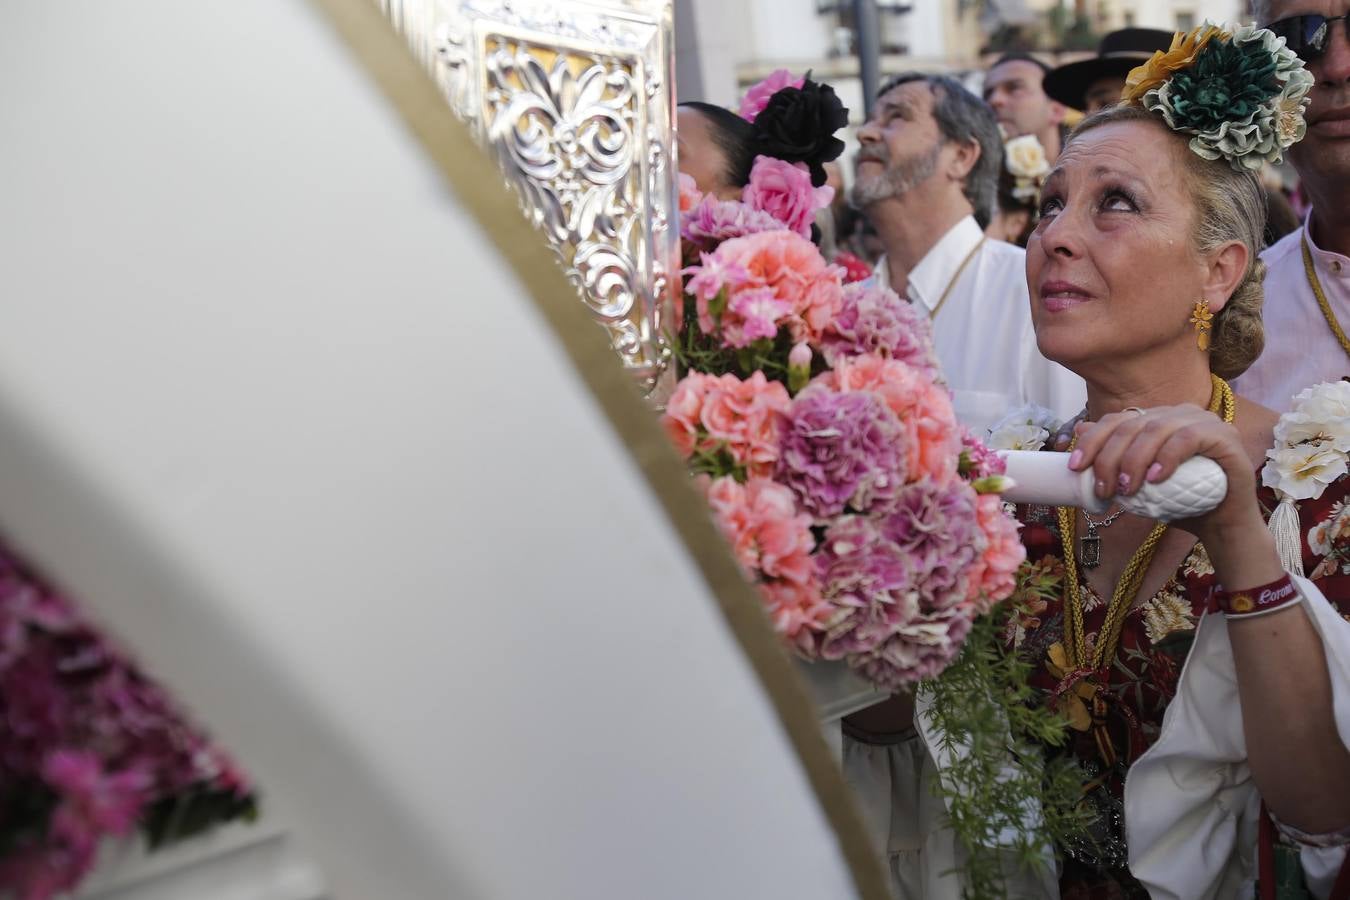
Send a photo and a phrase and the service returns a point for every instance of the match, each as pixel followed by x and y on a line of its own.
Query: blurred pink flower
pixel 758 96
pixel 85 730
pixel 690 195
pixel 924 407
pixel 784 191
pixel 91 798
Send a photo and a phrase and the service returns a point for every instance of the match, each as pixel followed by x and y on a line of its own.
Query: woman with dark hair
pixel 715 148
pixel 791 120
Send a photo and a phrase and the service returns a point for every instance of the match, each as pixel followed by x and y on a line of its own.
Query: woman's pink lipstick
pixel 1057 296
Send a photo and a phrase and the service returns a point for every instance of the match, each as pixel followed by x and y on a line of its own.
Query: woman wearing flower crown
pixel 1145 281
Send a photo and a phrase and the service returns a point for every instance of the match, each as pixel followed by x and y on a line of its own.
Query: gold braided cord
pixel 1221 402
pixel 1315 283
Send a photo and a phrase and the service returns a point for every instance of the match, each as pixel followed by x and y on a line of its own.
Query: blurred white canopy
pixel 272 405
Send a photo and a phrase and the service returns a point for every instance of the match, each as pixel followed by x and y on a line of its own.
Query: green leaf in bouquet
pixel 1007 780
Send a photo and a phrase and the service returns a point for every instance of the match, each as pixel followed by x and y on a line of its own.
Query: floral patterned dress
pixel 1142 679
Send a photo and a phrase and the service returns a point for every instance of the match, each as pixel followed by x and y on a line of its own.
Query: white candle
pixel 1197 486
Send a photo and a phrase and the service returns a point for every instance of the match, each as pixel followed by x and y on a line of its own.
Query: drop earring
pixel 1202 319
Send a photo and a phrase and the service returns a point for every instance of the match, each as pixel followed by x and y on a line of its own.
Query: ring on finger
pixel 1134 409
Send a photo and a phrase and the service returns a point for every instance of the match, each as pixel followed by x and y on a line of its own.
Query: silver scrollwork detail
pixel 575 99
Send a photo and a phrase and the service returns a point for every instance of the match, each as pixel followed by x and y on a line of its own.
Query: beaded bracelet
pixel 1258 601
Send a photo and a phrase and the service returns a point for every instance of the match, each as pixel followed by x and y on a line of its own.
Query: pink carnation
pixel 923 406
pixel 784 191
pixel 784 262
pixel 690 195
pixel 994 575
pixel 752 314
pixel 978 461
pixel 770 537
pixel 772 541
pixel 759 95
pixel 709 413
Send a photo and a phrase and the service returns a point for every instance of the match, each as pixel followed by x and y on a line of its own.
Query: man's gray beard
pixel 895 181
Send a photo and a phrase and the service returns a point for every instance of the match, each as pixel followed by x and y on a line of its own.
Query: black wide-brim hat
pixel 1119 52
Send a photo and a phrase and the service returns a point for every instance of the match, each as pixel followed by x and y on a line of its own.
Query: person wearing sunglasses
pixel 1307 313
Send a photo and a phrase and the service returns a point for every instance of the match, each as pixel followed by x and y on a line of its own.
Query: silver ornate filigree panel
pixel 576 100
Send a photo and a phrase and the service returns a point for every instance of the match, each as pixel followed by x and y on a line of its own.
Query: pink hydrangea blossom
pixel 842 451
pixel 759 95
pixel 711 221
pixel 923 406
pixel 921 648
pixel 784 191
pixel 875 320
pixel 936 526
pixel 707 414
pixel 867 579
pixel 994 575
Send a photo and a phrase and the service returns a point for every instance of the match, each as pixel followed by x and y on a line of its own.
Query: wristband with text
pixel 1258 601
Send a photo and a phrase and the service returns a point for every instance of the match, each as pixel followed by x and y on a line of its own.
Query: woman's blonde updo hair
pixel 1229 206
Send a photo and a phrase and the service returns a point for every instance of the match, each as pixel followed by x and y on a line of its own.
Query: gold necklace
pixel 957 277
pixel 1316 286
pixel 1122 600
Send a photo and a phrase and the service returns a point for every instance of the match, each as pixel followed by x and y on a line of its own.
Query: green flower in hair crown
pixel 1240 93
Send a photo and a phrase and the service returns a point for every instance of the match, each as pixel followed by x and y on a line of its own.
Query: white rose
pixel 1026 157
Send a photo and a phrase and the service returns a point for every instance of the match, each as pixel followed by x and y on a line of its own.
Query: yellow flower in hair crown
pixel 1238 92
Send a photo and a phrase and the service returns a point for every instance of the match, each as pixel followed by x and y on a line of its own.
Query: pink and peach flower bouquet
pixel 814 417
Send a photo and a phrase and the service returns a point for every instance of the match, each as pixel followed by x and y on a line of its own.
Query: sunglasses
pixel 1308 35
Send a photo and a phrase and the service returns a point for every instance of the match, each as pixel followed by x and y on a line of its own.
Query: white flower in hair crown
pixel 1239 92
pixel 1025 160
pixel 1312 451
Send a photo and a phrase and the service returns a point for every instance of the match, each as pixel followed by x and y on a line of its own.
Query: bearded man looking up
pixel 926 178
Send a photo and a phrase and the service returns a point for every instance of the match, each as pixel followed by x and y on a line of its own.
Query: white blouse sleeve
pixel 1191 807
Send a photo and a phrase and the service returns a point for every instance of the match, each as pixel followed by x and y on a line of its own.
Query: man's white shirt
pixel 1301 349
pixel 983 333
